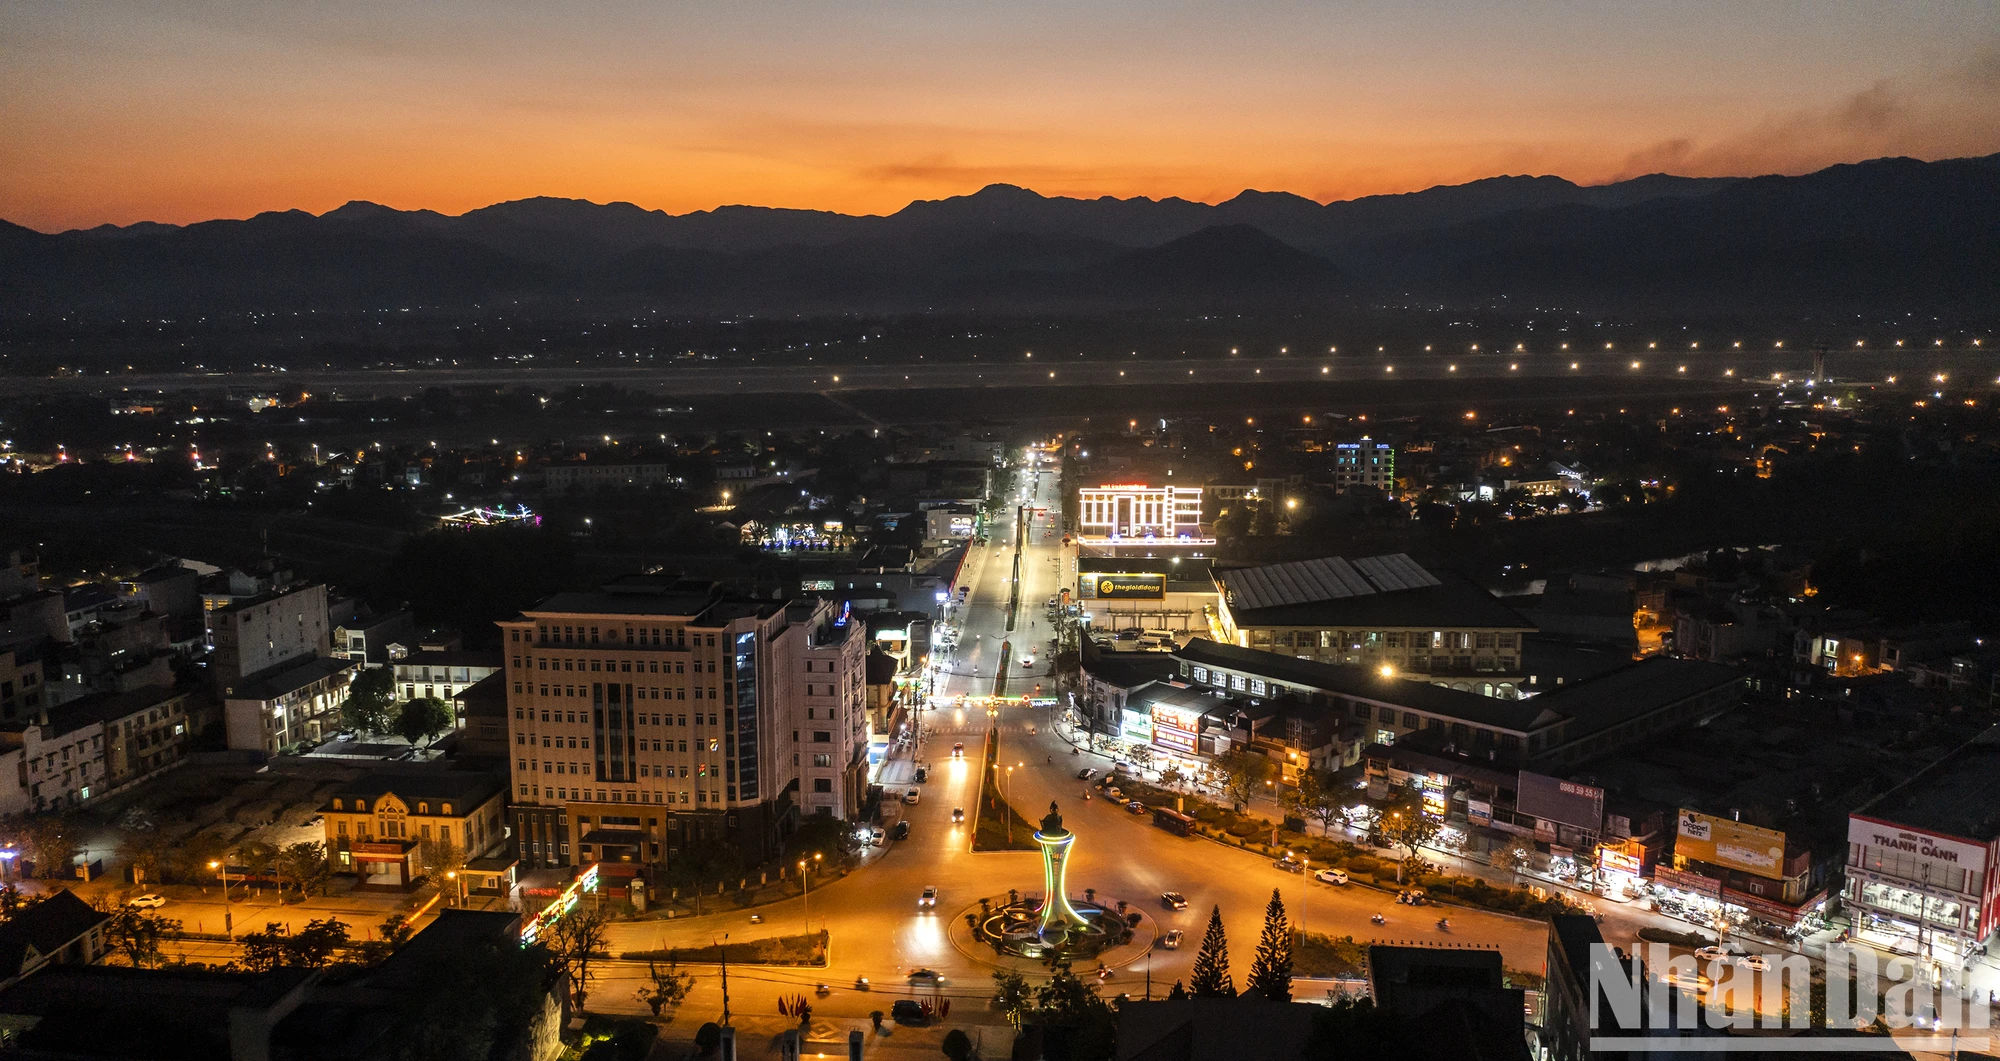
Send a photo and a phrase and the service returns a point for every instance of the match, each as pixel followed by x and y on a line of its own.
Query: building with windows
pixel 90 747
pixel 21 680
pixel 1921 858
pixel 300 705
pixel 254 637
pixel 442 674
pixel 377 825
pixel 1127 511
pixel 1365 463
pixel 1381 612
pixel 656 713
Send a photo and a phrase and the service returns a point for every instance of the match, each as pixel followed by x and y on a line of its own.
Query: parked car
pixel 957 814
pixel 1174 900
pixel 922 775
pixel 148 901
pixel 1136 807
pixel 1086 773
pixel 1711 954
pixel 900 832
pixel 1331 876
pixel 875 836
pixel 929 898
pixel 907 1011
pixel 1756 962
pixel 1172 940
pixel 910 796
pixel 344 735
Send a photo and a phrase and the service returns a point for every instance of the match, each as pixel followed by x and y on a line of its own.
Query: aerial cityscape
pixel 1137 532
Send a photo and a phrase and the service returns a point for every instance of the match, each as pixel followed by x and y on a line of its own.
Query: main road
pixel 879 932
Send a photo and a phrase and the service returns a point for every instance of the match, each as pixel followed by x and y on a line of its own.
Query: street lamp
pixel 452 875
pixel 805 881
pixel 1007 793
pixel 228 924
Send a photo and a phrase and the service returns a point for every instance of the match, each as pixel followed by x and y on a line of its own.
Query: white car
pixel 1755 962
pixel 1711 954
pixel 1331 876
pixel 148 901
pixel 929 898
pixel 1172 940
pixel 910 796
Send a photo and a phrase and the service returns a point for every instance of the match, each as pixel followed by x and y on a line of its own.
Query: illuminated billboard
pixel 1108 586
pixel 1722 842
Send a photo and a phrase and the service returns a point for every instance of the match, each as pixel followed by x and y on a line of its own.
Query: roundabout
pixel 1052 928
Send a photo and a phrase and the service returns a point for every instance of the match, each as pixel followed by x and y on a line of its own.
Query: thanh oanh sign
pixel 1722 842
pixel 1106 586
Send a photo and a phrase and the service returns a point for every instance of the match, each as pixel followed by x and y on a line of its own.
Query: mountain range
pixel 1889 234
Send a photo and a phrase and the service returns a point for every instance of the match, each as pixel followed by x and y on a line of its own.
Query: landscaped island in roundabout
pixel 1052 926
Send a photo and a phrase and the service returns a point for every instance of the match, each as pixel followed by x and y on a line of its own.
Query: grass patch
pixel 612 1039
pixel 1332 957
pixel 991 817
pixel 773 950
pixel 1690 939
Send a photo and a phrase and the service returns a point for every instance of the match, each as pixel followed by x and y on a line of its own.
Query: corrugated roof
pixel 1327 578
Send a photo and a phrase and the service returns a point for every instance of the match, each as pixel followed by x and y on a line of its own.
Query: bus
pixel 1173 821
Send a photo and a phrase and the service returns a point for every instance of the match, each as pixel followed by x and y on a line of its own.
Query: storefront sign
pixel 1612 859
pixel 1136 727
pixel 1895 840
pixel 1687 881
pixel 1567 802
pixel 1479 812
pixel 1722 842
pixel 1176 730
pixel 1108 586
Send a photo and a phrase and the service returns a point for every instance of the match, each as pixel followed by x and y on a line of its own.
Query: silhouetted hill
pixel 1893 233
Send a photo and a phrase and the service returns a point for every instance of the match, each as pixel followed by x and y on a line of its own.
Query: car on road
pixel 929 898
pixel 958 750
pixel 1755 962
pixel 1331 876
pixel 344 736
pixel 1136 807
pixel 1172 940
pixel 1086 773
pixel 1027 663
pixel 900 832
pixel 926 976
pixel 1114 793
pixel 1174 900
pixel 908 1011
pixel 957 814
pixel 910 796
pixel 1711 954
pixel 875 836
pixel 148 901
pixel 756 919
pixel 1687 981
pixel 922 775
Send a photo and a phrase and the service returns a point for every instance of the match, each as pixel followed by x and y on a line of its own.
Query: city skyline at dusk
pixel 185 111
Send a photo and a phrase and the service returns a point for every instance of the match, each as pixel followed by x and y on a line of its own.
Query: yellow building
pixel 378 825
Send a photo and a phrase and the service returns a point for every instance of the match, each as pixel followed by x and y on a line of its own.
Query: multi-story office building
pixel 1364 463
pixel 653 714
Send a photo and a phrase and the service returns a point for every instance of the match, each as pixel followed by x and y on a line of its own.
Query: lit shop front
pixel 1736 877
pixel 1916 892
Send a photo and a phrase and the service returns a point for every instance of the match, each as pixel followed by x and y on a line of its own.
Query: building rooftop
pixel 1324 579
pixel 451 658
pixel 169 1014
pixel 1448 601
pixel 469 788
pixel 1364 683
pixel 47 927
pixel 291 679
pixel 485 698
pixel 244 603
pixel 1954 796
pixel 1633 690
pixel 106 707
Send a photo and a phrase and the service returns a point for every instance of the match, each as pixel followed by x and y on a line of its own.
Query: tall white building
pixel 1132 510
pixel 653 714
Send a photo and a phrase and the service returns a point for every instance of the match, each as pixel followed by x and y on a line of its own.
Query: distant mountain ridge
pixel 1887 231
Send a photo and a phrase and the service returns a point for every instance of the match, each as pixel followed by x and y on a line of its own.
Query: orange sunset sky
pixel 183 110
